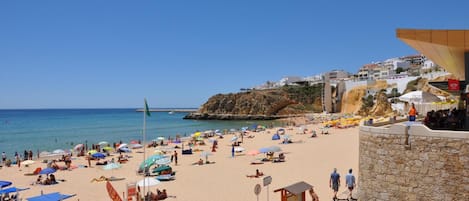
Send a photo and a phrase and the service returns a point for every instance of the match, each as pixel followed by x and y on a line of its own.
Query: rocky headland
pixel 261 104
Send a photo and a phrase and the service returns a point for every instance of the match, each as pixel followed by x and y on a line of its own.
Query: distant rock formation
pixel 260 104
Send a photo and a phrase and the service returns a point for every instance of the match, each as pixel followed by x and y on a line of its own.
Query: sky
pixel 113 54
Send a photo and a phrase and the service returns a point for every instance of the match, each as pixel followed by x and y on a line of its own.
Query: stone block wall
pixel 423 165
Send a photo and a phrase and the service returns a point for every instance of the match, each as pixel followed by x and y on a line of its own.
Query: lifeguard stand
pixel 131 191
pixel 294 192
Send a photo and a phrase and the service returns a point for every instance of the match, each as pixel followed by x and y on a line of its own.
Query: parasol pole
pixel 145 113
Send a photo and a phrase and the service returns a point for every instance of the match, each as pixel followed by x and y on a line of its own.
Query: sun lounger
pixel 166 177
pixel 187 151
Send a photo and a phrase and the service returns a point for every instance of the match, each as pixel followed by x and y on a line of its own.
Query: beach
pixel 307 159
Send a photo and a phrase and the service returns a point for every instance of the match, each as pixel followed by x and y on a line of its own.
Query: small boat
pixel 171 112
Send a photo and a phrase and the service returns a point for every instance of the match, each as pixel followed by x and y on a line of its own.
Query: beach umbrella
pixel 108 148
pixel 78 147
pixel 5 183
pixel 28 162
pixel 12 190
pixel 234 138
pixel 160 138
pixel 102 143
pixel 264 150
pixel 47 171
pixel 274 148
pixel 162 161
pixel 158 152
pixel 122 146
pixel 92 151
pixel 111 166
pixel 196 134
pixel 136 146
pixel 148 181
pixel 134 142
pixel 253 152
pixel 419 97
pixel 50 197
pixel 151 160
pixel 125 149
pixel 98 155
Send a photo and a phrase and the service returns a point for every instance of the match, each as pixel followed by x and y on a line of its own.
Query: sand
pixel 307 159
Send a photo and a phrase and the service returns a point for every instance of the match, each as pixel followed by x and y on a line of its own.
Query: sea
pixel 52 129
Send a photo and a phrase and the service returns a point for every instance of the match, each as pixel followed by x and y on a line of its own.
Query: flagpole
pixel 144 149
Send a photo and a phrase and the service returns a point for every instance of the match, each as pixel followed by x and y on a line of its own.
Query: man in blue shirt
pixel 350 182
pixel 334 182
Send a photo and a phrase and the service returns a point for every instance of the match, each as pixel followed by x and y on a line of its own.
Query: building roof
pixel 296 188
pixel 444 47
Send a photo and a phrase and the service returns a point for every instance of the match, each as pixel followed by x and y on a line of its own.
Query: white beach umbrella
pixel 78 147
pixel 419 97
pixel 136 146
pixel 103 143
pixel 28 162
pixel 122 146
pixel 148 181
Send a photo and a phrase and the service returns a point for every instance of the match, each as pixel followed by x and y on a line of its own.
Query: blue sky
pixel 112 54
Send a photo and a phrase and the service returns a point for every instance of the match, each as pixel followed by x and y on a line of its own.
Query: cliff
pixel 261 104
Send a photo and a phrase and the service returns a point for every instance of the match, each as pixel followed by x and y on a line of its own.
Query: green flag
pixel 147 110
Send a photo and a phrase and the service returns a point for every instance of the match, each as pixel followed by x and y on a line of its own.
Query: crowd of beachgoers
pixel 208 165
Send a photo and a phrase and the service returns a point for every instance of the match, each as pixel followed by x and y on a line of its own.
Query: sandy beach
pixel 307 159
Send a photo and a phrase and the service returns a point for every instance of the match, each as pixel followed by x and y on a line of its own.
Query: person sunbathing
pixel 281 158
pixel 101 178
pixel 101 163
pixel 258 174
pixel 200 162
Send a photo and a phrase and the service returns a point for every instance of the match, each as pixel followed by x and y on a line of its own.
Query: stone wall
pixel 428 165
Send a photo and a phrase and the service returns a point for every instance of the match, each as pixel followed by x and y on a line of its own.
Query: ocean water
pixel 50 129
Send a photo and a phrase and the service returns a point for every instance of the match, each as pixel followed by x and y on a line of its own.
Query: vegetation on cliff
pixel 287 100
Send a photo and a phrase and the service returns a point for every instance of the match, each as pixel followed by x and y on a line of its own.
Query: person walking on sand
pixel 412 113
pixel 313 194
pixel 334 182
pixel 350 182
pixel 232 151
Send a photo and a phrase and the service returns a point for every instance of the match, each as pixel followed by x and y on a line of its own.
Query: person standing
pixel 334 182
pixel 232 151
pixel 175 157
pixel 350 182
pixel 4 157
pixel 313 194
pixel 18 160
pixel 412 113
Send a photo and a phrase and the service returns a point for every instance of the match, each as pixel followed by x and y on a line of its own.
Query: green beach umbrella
pixel 151 161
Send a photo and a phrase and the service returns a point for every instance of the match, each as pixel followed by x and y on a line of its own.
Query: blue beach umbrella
pixel 98 155
pixel 264 150
pixel 12 190
pixel 4 183
pixel 50 197
pixel 47 171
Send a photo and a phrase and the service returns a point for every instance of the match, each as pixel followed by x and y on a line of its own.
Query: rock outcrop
pixel 259 104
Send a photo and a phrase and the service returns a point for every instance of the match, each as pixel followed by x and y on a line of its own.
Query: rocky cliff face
pixel 256 104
